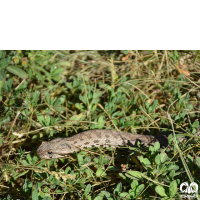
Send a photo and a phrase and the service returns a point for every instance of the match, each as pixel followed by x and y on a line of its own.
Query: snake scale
pixel 60 147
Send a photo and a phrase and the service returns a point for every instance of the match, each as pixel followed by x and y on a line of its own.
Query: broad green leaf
pixel 48 98
pixel 157 146
pixel 25 163
pixel 124 194
pixel 99 172
pixel 139 189
pixel 39 76
pixel 74 119
pixel 161 191
pixel 2 75
pixel 2 54
pixel 147 105
pixel 35 195
pixel 1 89
pixel 197 161
pixel 17 71
pixel 8 85
pixel 118 189
pixel 80 159
pixel 56 73
pixel 144 160
pixel 67 170
pixel 41 119
pixel 134 185
pixel 35 97
pixel 79 106
pixel 151 149
pixel 101 122
pixel 87 189
pixel 64 63
pixel 69 85
pixel 99 197
pixel 157 159
pixel 29 159
pixel 2 82
pixel 133 174
pixel 172 174
pixel 163 157
pixel 195 125
pixel 173 167
pixel 107 194
pixel 4 62
pixel 173 188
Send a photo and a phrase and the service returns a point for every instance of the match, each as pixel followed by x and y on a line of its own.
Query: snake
pixel 61 147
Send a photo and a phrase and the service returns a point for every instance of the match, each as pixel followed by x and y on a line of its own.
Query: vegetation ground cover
pixel 50 94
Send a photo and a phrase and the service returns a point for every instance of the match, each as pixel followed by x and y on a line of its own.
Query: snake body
pixel 60 147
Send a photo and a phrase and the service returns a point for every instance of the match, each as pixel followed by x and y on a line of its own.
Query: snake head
pixel 49 150
pixel 43 151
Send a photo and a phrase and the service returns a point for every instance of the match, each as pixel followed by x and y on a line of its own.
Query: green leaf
pixel 134 185
pixel 8 85
pixel 189 106
pixel 4 62
pixel 118 189
pixel 157 159
pixel 124 194
pixel 35 97
pixel 64 63
pixel 83 99
pixel 153 106
pixel 161 191
pixel 87 189
pixel 25 163
pixel 69 85
pixel 197 161
pixel 35 195
pixel 79 106
pixel 173 188
pixel 2 54
pixel 99 172
pixel 48 98
pixel 107 195
pixel 1 89
pixel 17 71
pixel 56 73
pixel 139 189
pixel 80 159
pixel 2 75
pixel 40 118
pixel 74 119
pixel 99 197
pixel 133 174
pixel 67 170
pixel 39 76
pixel 172 174
pixel 151 149
pixel 147 105
pixel 163 157
pixel 195 125
pixel 144 160
pixel 101 122
pixel 157 146
pixel 173 167
pixel 29 159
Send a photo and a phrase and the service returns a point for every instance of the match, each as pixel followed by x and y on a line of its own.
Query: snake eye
pixel 50 154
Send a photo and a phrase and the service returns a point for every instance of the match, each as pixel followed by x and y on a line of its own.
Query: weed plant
pixel 50 94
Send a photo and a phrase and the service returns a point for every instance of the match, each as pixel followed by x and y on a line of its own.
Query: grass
pixel 50 94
